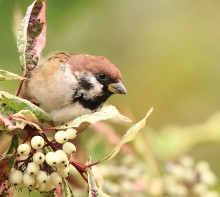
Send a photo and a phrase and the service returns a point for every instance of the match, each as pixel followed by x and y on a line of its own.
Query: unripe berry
pixel 64 172
pixel 62 156
pixel 15 177
pixel 52 159
pixel 69 148
pixel 61 137
pixel 71 133
pixel 24 149
pixel 38 158
pixel 37 142
pixel 55 179
pixel 33 168
pixel 41 177
pixel 28 180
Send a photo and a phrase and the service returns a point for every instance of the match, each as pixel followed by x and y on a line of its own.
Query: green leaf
pixel 10 124
pixel 48 194
pixel 26 117
pixel 31 37
pixel 14 145
pixel 68 192
pixel 11 104
pixel 106 113
pixel 94 191
pixel 129 136
pixel 5 75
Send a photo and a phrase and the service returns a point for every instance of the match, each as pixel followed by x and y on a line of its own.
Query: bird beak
pixel 117 88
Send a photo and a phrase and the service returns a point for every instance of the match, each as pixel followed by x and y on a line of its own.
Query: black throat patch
pixel 93 103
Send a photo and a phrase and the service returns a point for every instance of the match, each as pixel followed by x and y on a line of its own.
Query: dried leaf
pixel 5 75
pixel 106 113
pixel 11 104
pixel 129 136
pixel 32 36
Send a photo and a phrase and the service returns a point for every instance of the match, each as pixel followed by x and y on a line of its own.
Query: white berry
pixel 15 177
pixel 41 177
pixel 61 137
pixel 71 133
pixel 37 142
pixel 52 159
pixel 69 148
pixel 38 157
pixel 42 187
pixel 55 179
pixel 73 170
pixel 49 185
pixel 33 168
pixel 62 156
pixel 63 165
pixel 24 149
pixel 28 180
pixel 64 172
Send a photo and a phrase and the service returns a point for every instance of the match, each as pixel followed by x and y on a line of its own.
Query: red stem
pixel 48 142
pixel 92 164
pixel 81 169
pixel 19 88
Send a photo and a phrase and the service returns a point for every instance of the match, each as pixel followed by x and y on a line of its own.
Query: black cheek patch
pixel 85 84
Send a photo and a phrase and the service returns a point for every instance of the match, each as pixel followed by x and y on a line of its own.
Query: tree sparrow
pixel 67 86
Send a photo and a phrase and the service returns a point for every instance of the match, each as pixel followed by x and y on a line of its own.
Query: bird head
pixel 97 79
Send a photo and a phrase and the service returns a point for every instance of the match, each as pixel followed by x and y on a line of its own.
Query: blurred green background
pixel 168 52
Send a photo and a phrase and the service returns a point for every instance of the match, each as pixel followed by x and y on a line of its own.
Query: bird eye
pixel 102 76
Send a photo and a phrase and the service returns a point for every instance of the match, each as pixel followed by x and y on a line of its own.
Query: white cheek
pixel 95 91
pixel 76 73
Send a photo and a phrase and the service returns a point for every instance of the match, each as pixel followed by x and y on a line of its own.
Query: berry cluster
pixel 43 164
pixel 185 177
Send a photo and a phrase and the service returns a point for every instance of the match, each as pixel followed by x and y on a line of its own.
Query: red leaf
pixel 6 164
pixel 3 187
pixel 5 121
pixel 32 36
pixel 58 192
